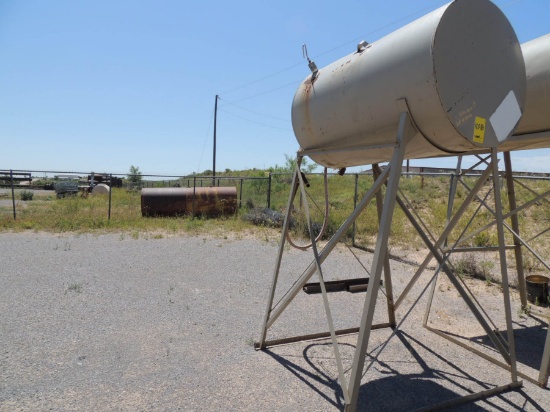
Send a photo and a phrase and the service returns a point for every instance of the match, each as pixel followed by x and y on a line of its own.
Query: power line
pixel 255 112
pixel 205 140
pixel 393 23
pixel 252 121
pixel 268 91
pixel 263 78
pixel 336 48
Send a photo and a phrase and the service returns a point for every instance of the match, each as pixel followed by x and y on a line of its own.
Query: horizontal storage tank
pixel 460 68
pixel 101 189
pixel 533 131
pixel 177 201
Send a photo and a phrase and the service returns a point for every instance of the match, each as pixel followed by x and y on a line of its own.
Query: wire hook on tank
pixel 312 66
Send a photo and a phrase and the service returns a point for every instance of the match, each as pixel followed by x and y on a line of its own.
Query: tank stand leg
pixel 405 132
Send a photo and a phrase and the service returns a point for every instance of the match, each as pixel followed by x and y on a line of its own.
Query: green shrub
pixel 484 239
pixel 466 265
pixel 26 195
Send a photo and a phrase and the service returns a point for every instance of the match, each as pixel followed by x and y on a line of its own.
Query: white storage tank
pixel 460 68
pixel 101 189
pixel 533 131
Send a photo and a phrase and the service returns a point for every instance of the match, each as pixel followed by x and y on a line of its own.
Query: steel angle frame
pixel 273 312
pixel 517 247
pixel 387 269
pixel 515 227
pixel 326 303
pixel 507 351
pixel 406 131
pixel 518 242
pixel 448 229
pixel 391 174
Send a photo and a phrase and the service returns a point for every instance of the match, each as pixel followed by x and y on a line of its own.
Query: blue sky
pixel 102 85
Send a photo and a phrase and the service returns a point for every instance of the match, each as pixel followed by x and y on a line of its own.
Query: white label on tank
pixel 506 116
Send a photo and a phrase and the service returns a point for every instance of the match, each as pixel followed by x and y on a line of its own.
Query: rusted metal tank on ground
pixel 178 201
pixel 460 69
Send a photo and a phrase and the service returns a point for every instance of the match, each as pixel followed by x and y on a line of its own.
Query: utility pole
pixel 214 157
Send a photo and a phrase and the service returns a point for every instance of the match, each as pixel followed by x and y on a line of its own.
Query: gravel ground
pixel 110 322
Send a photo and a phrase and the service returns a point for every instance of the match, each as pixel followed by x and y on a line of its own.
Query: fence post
pixel 354 206
pixel 241 194
pixel 12 195
pixel 269 192
pixel 110 194
pixel 194 194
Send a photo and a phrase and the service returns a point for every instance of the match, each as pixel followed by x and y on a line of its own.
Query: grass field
pixel 428 195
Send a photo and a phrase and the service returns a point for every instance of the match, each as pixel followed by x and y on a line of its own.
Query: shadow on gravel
pixel 461 374
pixel 399 392
pixel 406 392
pixel 529 343
pixel 312 378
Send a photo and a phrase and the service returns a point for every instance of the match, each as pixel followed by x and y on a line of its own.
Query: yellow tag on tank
pixel 479 130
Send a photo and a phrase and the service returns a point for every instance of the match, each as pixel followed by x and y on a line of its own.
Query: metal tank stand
pixel 437 251
pixel 390 176
pixel 516 246
pixel 518 242
pixel 515 227
pixel 506 348
pixel 273 312
pixel 406 132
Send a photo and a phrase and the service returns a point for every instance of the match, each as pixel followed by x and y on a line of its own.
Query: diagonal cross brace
pixel 440 259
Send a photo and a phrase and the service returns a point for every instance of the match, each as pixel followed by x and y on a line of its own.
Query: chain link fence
pixel 61 200
pixel 27 192
pixel 71 200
